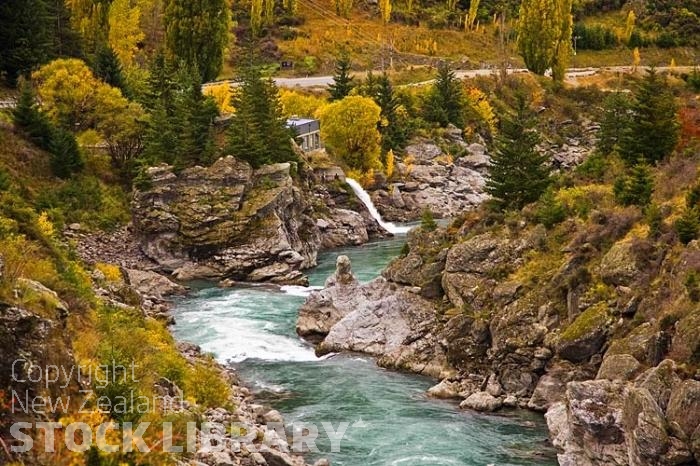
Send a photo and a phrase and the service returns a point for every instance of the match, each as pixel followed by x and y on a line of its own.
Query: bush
pixel 692 286
pixel 655 220
pixel 688 225
pixel 427 222
pixel 635 188
pixel 549 210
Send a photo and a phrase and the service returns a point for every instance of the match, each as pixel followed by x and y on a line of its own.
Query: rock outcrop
pixel 431 179
pixel 229 221
pixel 625 423
pixel 385 320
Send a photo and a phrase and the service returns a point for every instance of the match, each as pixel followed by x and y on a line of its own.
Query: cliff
pixel 228 221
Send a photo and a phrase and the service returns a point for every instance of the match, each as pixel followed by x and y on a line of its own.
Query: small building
pixel 307 133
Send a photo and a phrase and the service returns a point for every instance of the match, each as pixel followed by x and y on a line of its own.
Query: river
pixel 391 421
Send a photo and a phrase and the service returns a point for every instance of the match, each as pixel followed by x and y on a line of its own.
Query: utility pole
pixel 576 38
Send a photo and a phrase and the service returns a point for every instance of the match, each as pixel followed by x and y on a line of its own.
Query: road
pixel 323 81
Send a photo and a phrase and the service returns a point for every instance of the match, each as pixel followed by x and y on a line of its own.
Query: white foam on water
pixel 226 327
pixel 367 201
pixel 296 290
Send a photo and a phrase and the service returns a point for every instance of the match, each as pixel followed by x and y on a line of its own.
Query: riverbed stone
pixel 481 401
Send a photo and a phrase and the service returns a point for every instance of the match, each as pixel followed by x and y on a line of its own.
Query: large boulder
pixel 481 401
pixel 683 411
pixel 227 221
pixel 619 265
pixel 619 367
pixel 586 335
pixel 152 285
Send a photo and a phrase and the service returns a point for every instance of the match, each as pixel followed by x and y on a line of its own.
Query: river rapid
pixel 390 419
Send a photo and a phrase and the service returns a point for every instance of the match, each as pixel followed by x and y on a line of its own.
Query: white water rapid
pixel 367 201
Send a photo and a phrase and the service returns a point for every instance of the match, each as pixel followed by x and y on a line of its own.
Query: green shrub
pixel 635 188
pixel 427 221
pixel 692 286
pixel 655 220
pixel 688 225
pixel 549 210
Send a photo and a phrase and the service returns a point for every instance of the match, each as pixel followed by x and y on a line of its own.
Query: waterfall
pixel 367 201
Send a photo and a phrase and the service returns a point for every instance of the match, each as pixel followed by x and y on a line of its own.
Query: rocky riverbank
pixel 447 175
pixel 505 320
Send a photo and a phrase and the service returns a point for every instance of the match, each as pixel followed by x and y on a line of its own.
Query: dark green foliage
pixel 5 180
pixel 594 37
pixel 655 220
pixel 636 187
pixel 692 199
pixel 25 35
pixel 688 225
pixel 653 129
pixel 518 174
pixel 693 80
pixel 197 34
pixel 445 102
pixel 342 81
pixel 692 286
pixel 31 120
pixel 427 222
pixel 32 32
pixel 550 211
pixel 616 119
pixel 258 131
pixel 66 158
pixel 394 128
pixel 180 130
pixel 106 66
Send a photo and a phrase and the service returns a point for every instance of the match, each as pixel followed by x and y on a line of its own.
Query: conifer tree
pixel 392 128
pixel 518 174
pixel 615 121
pixel 653 129
pixel 342 80
pixel 636 187
pixel 31 120
pixel 197 33
pixel 66 158
pixel 25 35
pixel 445 101
pixel 107 67
pixel 258 131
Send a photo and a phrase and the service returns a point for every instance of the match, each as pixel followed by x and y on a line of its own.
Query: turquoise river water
pixel 391 420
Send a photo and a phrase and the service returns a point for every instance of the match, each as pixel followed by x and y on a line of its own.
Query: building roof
pixel 296 121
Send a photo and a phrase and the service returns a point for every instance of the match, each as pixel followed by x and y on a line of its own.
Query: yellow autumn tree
pixel 471 14
pixel 479 110
pixel 349 130
pixel 636 58
pixel 256 16
pixel 124 30
pixel 300 104
pixel 76 100
pixel 629 25
pixel 221 93
pixel 385 10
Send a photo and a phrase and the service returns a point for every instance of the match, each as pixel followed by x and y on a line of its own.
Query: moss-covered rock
pixel 586 335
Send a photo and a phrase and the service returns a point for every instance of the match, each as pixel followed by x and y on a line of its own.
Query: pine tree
pixel 616 119
pixel 66 158
pixel 194 117
pixel 518 174
pixel 25 35
pixel 635 188
pixel 106 66
pixel 198 33
pixel 654 129
pixel 393 129
pixel 688 225
pixel 342 80
pixel 31 120
pixel 258 131
pixel 445 101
